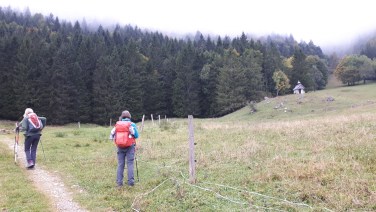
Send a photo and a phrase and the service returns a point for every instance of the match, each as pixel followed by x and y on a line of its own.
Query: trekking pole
pixel 135 158
pixel 45 124
pixel 16 139
pixel 42 149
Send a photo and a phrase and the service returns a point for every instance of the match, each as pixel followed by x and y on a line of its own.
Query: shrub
pixel 60 134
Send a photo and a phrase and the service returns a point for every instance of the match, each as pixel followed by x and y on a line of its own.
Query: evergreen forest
pixel 74 72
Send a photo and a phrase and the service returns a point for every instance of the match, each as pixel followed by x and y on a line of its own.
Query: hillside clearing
pixel 318 155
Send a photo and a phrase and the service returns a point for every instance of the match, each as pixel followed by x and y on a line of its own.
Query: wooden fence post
pixel 159 119
pixel 192 161
pixel 152 119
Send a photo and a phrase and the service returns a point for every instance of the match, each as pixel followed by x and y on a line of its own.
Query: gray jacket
pixel 25 127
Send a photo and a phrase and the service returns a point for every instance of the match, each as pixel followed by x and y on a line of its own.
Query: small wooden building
pixel 299 88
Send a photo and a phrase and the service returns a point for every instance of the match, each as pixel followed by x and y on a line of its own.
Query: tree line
pixel 359 65
pixel 72 72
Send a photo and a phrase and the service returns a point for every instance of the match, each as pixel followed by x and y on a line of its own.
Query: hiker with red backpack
pixel 32 126
pixel 124 135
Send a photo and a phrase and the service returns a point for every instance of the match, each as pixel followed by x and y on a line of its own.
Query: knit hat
pixel 125 114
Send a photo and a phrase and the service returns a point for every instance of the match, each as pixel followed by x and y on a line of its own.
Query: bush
pixel 60 134
pixel 252 106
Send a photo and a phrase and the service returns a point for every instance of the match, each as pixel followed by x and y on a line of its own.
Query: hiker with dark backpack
pixel 32 127
pixel 124 135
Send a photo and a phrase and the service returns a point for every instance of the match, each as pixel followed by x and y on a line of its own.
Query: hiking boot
pixel 30 164
pixel 31 168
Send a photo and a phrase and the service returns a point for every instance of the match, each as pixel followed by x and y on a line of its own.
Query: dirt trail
pixel 47 183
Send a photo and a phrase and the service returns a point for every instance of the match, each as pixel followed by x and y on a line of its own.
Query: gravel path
pixel 46 182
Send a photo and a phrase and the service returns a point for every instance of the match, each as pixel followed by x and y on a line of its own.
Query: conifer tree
pixel 252 64
pixel 8 53
pixel 232 84
pixel 134 66
pixel 186 86
pixel 209 80
pixel 86 60
pixel 300 69
pixel 271 62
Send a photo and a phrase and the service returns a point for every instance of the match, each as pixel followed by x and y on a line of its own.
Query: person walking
pixel 32 127
pixel 124 135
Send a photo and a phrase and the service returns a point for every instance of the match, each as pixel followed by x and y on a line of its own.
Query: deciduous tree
pixel 282 82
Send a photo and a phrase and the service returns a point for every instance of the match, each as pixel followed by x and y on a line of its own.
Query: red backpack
pixel 123 137
pixel 34 124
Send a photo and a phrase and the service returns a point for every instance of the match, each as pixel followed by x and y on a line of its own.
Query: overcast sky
pixel 325 22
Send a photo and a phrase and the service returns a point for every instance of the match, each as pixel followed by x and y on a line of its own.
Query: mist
pixel 332 31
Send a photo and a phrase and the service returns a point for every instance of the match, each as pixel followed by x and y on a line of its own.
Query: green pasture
pixel 315 152
pixel 17 193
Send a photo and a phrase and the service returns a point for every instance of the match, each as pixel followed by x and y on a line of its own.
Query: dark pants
pixel 31 145
pixel 122 154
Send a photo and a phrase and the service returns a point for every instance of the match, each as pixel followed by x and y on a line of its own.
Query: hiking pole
pixel 44 125
pixel 42 149
pixel 135 158
pixel 16 139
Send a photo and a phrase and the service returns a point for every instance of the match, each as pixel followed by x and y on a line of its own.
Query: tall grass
pixel 318 155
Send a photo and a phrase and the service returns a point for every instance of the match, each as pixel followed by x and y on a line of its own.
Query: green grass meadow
pixel 16 192
pixel 315 152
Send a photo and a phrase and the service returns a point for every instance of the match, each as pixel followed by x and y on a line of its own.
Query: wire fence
pixel 201 186
pixel 205 186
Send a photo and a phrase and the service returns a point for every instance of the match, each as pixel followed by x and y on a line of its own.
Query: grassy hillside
pixel 298 153
pixel 335 101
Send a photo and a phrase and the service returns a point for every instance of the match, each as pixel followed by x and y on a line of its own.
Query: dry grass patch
pixel 324 161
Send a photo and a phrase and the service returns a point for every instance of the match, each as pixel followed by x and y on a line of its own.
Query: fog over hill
pixel 329 24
